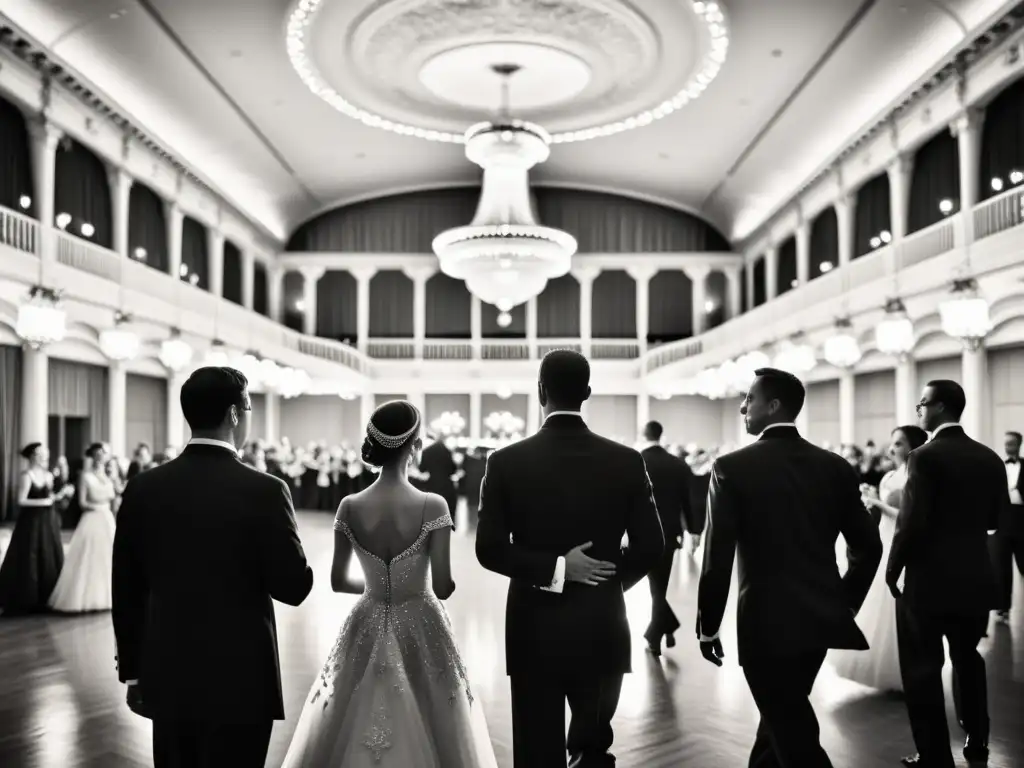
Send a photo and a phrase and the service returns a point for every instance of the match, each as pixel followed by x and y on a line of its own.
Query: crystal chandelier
pixel 895 334
pixel 965 314
pixel 842 349
pixel 41 320
pixel 448 423
pixel 248 363
pixel 175 352
pixel 217 355
pixel 120 343
pixel 269 374
pixel 504 424
pixel 293 383
pixel 795 357
pixel 504 256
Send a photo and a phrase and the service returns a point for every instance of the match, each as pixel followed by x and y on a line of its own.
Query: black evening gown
pixel 34 558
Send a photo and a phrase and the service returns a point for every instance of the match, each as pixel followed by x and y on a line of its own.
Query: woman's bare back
pixel 386 519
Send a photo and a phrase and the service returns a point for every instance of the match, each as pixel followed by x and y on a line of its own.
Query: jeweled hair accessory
pixel 392 441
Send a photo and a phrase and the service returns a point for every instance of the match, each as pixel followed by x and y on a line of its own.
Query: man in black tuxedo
pixel 553 511
pixel 204 544
pixel 1008 542
pixel 955 494
pixel 439 465
pixel 671 478
pixel 783 503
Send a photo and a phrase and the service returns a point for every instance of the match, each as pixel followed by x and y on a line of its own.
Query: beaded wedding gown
pixel 394 691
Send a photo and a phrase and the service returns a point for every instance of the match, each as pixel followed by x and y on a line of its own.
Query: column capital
pixel 362 274
pixel 642 273
pixel 42 130
pixel 117 176
pixel 697 273
pixel 969 120
pixel 902 165
pixel 844 202
pixel 173 210
pixel 419 273
pixel 586 274
pixel 312 274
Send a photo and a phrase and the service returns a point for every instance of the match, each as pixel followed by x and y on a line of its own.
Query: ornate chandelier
pixel 965 314
pixel 895 334
pixel 175 352
pixel 795 357
pixel 120 343
pixel 293 383
pixel 41 320
pixel 842 349
pixel 216 355
pixel 448 423
pixel 504 425
pixel 504 256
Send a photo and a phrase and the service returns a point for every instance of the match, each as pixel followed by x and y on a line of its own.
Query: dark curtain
pixel 83 191
pixel 489 328
pixel 785 266
pixel 15 161
pixel 936 177
pixel 80 390
pixel 824 242
pixel 613 306
pixel 195 259
pixel 1002 140
pixel 744 296
pixel 391 305
pixel 605 223
pixel 670 307
pixel 10 435
pixel 147 228
pixel 558 309
pixel 760 287
pixel 232 285
pixel 449 308
pixel 873 215
pixel 260 289
pixel 717 291
pixel 336 315
pixel 146 412
pixel 292 309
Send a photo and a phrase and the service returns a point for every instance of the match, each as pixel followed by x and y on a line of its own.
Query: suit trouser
pixel 201 744
pixel 663 618
pixel 538 720
pixel 922 657
pixel 788 735
pixel 1005 547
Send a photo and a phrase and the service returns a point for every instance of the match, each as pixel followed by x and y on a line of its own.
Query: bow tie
pixel 1013 461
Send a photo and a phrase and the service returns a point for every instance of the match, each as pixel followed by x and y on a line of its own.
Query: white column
pixel 275 293
pixel 363 276
pixel 907 393
pixel 310 277
pixel 974 364
pixel 35 396
pixel 967 129
pixel 698 297
pixel 643 410
pixel 215 260
pixel 419 276
pixel 44 139
pixel 900 173
pixel 642 276
pixel 272 418
pixel 476 331
pixel 120 198
pixel 586 276
pixel 803 252
pixel 771 272
pixel 177 429
pixel 531 327
pixel 475 416
pixel 117 409
pixel 367 403
pixel 175 221
pixel 733 297
pixel 419 399
pixel 532 410
pixel 248 278
pixel 845 206
pixel 847 406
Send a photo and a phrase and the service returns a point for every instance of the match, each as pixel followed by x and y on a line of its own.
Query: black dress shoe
pixel 976 750
pixel 670 641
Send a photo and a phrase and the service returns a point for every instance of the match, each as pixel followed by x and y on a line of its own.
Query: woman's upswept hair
pixel 390 429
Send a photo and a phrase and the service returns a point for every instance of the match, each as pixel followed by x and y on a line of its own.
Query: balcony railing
pixel 506 350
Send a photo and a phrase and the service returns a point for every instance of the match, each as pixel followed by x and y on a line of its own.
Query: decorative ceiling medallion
pixel 606 64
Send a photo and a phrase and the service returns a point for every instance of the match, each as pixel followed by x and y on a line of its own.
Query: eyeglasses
pixel 924 404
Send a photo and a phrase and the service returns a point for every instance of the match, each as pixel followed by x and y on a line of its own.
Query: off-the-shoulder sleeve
pixel 444 521
pixel 341 519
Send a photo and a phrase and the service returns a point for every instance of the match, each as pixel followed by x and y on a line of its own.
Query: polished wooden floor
pixel 62 707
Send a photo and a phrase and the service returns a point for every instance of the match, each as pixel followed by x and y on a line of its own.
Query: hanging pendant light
pixel 175 352
pixel 41 319
pixel 894 335
pixel 965 315
pixel 120 343
pixel 842 349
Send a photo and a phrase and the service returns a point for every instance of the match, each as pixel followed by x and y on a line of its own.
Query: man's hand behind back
pixel 586 570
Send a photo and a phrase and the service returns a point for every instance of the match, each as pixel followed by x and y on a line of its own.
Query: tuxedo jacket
pixel 438 461
pixel 779 505
pixel 672 479
pixel 955 494
pixel 543 496
pixel 1012 521
pixel 203 546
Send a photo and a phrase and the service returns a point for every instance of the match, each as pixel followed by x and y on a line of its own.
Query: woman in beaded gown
pixel 394 691
pixel 879 666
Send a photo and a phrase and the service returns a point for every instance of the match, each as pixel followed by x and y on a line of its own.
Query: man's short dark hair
pixel 565 375
pixel 1016 436
pixel 950 394
pixel 653 431
pixel 784 387
pixel 209 392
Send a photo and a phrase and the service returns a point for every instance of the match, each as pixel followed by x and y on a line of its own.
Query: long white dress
pixel 878 667
pixel 84 583
pixel 394 691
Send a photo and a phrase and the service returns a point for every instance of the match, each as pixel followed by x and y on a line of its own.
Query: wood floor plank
pixel 62 707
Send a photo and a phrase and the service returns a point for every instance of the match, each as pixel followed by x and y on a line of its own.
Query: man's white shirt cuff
pixel 558 582
pixel 706 639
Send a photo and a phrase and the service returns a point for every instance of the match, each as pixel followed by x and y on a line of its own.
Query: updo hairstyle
pixel 390 430
pixel 30 450
pixel 916 437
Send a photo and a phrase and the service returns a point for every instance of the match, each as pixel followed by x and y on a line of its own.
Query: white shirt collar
pixel 645 444
pixel 773 426
pixel 577 414
pixel 217 443
pixel 942 427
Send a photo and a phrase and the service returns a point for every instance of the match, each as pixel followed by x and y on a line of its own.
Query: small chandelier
pixel 796 357
pixel 248 364
pixel 965 314
pixel 41 320
pixel 120 343
pixel 448 423
pixel 217 355
pixel 269 374
pixel 842 349
pixel 175 352
pixel 894 335
pixel 293 383
pixel 503 425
